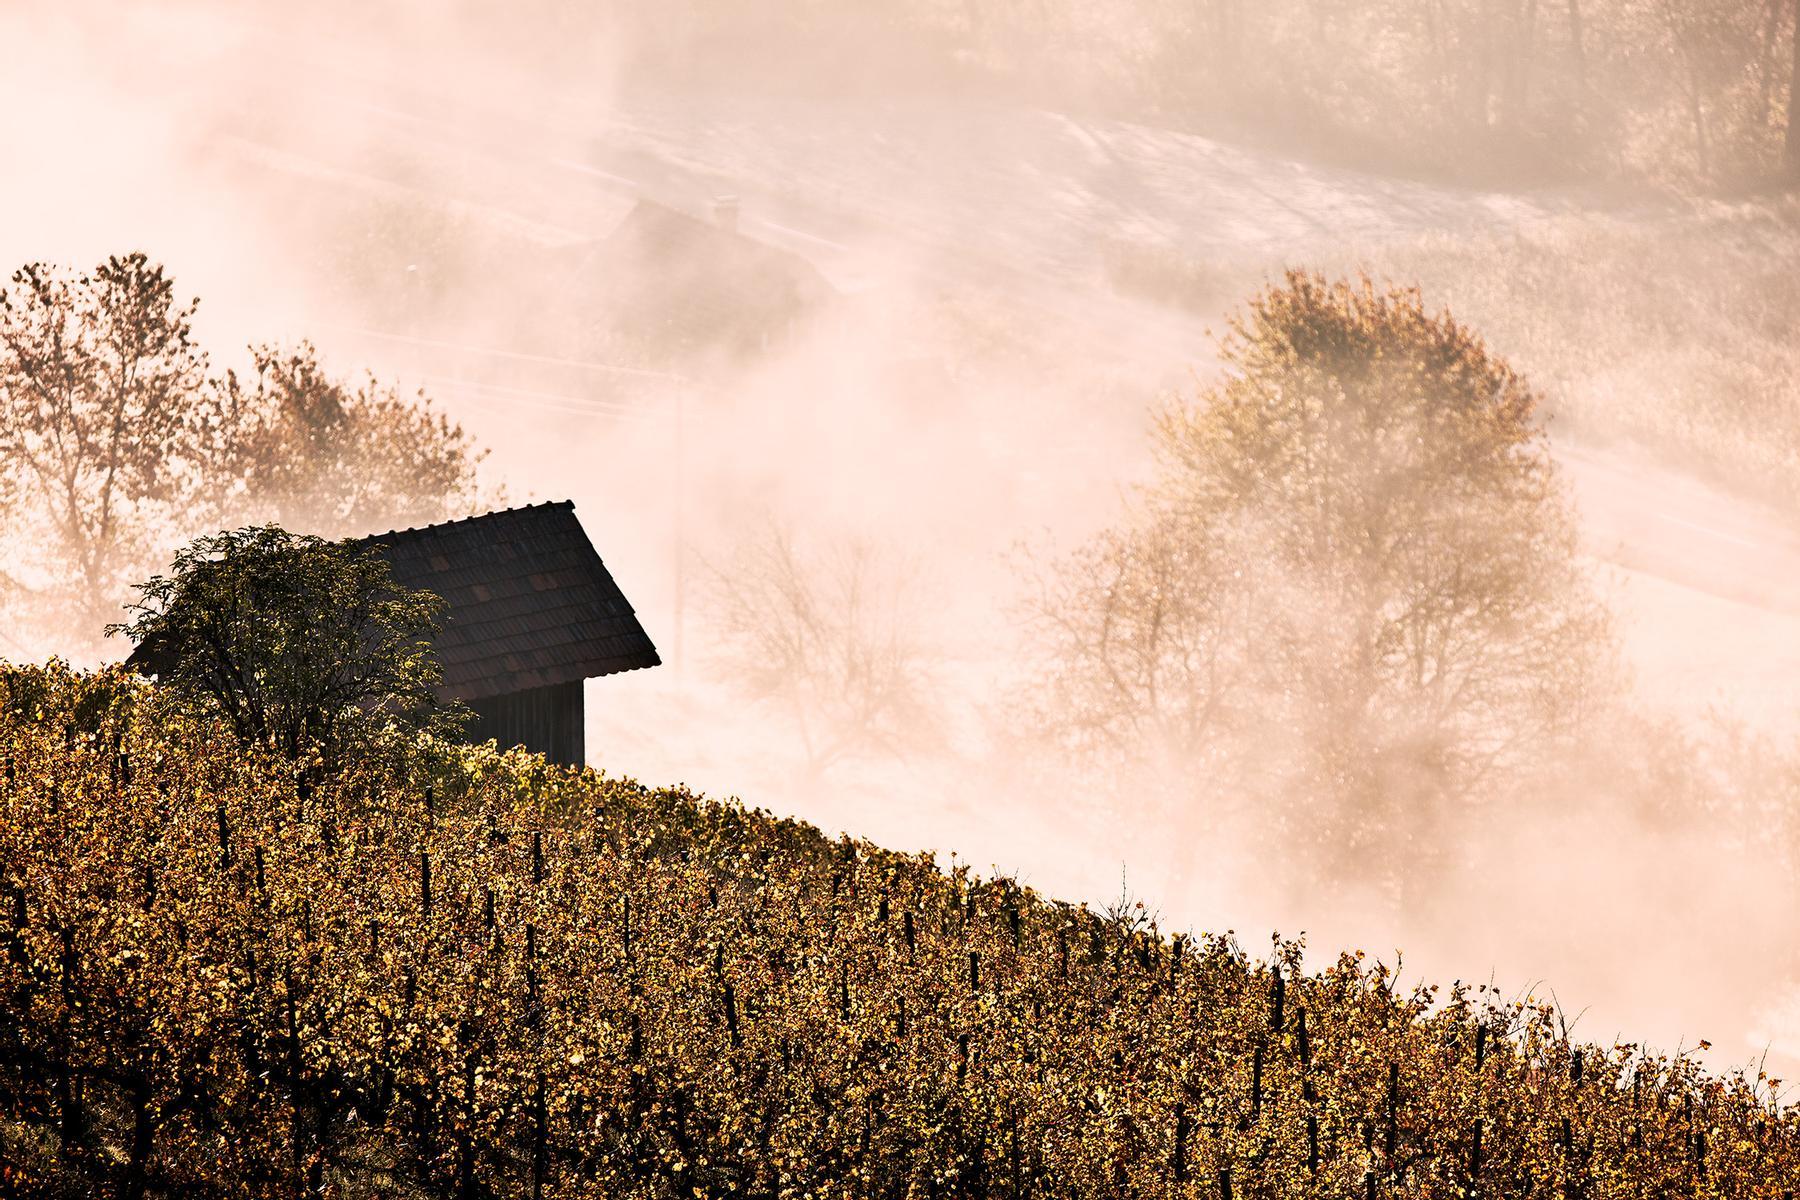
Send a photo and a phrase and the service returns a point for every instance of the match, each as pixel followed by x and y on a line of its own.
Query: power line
pixel 549 401
pixel 521 355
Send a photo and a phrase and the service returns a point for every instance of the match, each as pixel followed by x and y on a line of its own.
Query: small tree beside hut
pixel 299 644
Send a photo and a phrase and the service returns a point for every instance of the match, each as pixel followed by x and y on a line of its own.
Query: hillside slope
pixel 455 973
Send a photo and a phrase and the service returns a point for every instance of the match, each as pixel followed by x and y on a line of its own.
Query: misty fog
pixel 964 269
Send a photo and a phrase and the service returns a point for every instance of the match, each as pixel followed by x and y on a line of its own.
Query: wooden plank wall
pixel 548 720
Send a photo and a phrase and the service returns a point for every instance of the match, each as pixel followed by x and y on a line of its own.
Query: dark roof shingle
pixel 527 601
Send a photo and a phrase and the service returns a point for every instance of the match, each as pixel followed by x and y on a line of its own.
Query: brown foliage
pixel 317 454
pixel 117 444
pixel 477 975
pixel 1356 570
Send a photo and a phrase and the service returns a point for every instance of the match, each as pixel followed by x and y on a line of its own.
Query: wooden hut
pixel 530 612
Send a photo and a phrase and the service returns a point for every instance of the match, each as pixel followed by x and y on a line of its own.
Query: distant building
pixel 683 286
pixel 530 611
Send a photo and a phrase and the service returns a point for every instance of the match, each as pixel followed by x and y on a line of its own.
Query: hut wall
pixel 548 720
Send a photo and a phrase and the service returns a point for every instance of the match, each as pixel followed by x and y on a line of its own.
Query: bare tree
pixel 1792 145
pixel 117 445
pixel 1682 37
pixel 110 433
pixel 1144 640
pixel 1578 51
pixel 832 638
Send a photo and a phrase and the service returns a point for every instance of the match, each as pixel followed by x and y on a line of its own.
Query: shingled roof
pixel 527 601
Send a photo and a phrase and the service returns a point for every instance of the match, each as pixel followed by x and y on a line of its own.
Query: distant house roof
pixel 527 601
pixel 685 283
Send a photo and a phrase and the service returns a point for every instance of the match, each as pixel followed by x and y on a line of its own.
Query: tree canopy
pixel 314 452
pixel 118 441
pixel 1355 576
pixel 299 644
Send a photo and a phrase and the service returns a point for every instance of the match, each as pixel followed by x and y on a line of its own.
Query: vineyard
pixel 448 972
